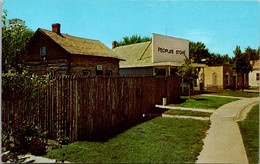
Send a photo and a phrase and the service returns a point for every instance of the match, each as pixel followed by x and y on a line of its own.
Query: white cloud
pixel 199 35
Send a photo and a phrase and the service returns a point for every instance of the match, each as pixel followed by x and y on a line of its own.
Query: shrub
pixel 37 147
pixel 17 134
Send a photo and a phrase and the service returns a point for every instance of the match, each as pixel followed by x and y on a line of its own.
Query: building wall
pixel 208 77
pixel 252 78
pixel 52 50
pixel 223 73
pixel 252 75
pixel 63 62
pixel 168 49
pixel 136 71
pixel 80 63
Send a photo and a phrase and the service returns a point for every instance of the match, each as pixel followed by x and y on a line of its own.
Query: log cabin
pixel 52 51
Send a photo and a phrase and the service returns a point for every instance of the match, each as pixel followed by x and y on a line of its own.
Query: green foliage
pixel 17 132
pixel 13 45
pixel 250 132
pixel 160 140
pixel 188 72
pixel 37 147
pixel 132 40
pixel 236 94
pixel 200 54
pixel 252 53
pixel 198 51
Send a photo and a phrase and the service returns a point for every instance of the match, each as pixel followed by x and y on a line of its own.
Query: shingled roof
pixel 79 46
pixel 140 55
pixel 136 55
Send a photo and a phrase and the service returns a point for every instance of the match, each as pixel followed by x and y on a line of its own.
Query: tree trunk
pixel 189 90
pixel 243 82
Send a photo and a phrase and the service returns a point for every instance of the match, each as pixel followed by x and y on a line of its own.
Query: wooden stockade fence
pixel 87 107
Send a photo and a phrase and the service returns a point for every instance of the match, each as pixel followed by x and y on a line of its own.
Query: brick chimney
pixel 114 44
pixel 56 28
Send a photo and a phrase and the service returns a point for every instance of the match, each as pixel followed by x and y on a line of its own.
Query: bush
pixel 17 135
pixel 37 147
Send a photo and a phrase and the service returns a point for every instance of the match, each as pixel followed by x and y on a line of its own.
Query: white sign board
pixel 169 49
pixel 99 67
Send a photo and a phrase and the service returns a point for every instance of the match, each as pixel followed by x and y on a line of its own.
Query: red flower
pixel 44 129
pixel 5 125
pixel 21 125
pixel 15 115
pixel 31 122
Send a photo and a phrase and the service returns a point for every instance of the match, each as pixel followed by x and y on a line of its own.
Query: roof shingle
pixel 80 46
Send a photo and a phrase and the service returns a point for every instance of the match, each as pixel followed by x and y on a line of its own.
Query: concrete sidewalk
pixel 223 143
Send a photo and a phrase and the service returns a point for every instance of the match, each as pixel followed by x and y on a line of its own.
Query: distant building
pixel 254 75
pixel 52 51
pixel 222 77
pixel 159 57
pixel 16 22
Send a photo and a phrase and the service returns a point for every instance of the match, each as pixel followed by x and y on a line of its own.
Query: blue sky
pixel 221 25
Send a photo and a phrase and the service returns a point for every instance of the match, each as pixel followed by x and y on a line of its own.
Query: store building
pixel 52 51
pixel 159 57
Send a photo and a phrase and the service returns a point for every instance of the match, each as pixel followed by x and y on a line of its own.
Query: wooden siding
pixel 79 62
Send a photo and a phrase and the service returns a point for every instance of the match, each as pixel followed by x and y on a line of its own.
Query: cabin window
pixel 257 76
pixel 86 72
pixel 108 72
pixel 43 53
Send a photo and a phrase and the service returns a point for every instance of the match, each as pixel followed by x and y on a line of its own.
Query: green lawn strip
pixel 187 113
pixel 236 94
pixel 160 140
pixel 250 132
pixel 204 102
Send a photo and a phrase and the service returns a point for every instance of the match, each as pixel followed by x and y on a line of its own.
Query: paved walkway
pixel 192 117
pixel 185 108
pixel 223 143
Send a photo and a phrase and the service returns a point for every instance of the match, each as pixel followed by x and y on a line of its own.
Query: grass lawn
pixel 236 94
pixel 187 113
pixel 250 133
pixel 160 140
pixel 203 102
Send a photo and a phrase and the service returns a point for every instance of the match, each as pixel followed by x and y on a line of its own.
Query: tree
pixel 241 63
pixel 198 51
pixel 188 72
pixel 252 53
pixel 133 39
pixel 13 45
pixel 200 54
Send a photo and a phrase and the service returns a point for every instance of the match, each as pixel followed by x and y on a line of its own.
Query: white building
pixel 16 22
pixel 254 75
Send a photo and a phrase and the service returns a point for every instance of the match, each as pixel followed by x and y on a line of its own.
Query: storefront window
pixel 227 79
pixel 160 72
